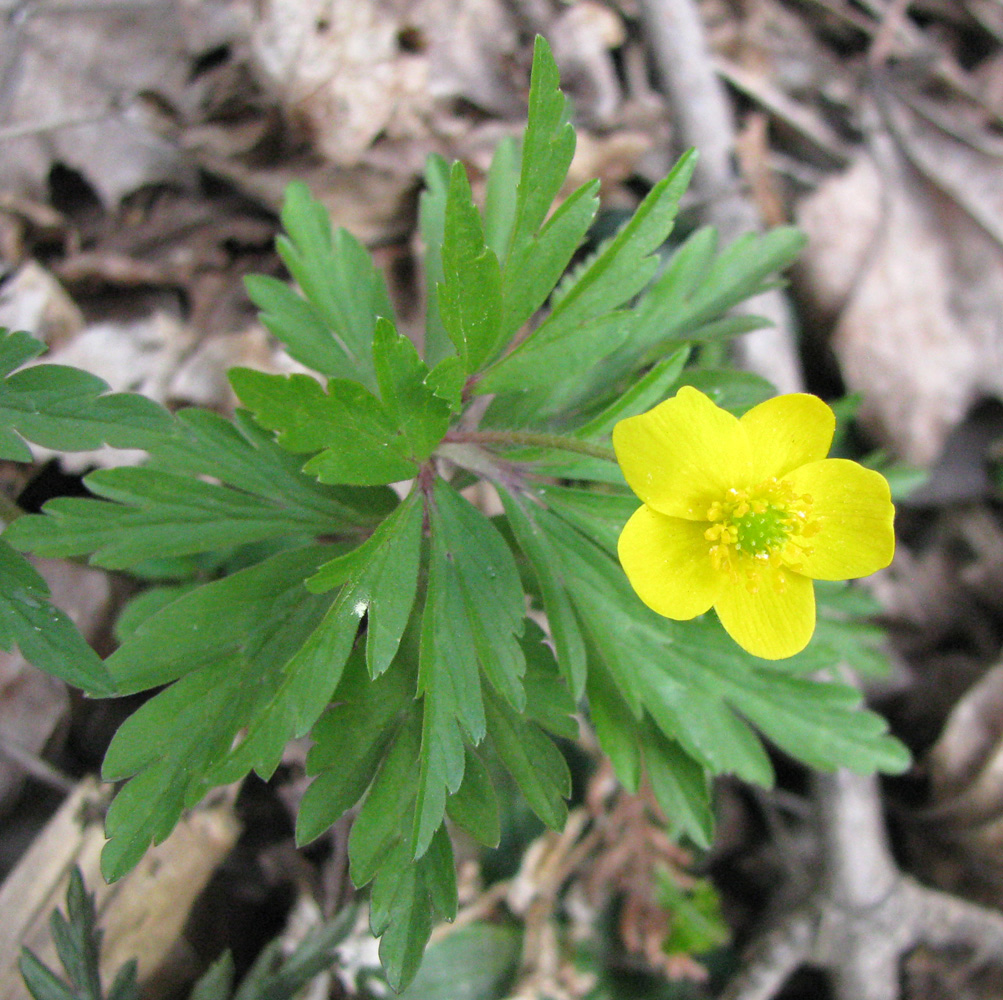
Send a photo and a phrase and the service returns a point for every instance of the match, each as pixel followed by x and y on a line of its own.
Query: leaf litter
pixel 170 132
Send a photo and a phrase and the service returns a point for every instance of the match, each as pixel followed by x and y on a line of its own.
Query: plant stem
pixel 528 439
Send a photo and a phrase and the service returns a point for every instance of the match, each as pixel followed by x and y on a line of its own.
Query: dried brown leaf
pixel 917 287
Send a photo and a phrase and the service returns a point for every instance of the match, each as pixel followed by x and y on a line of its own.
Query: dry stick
pixel 864 915
pixel 686 69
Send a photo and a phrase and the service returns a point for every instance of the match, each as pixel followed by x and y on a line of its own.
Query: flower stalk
pixel 529 439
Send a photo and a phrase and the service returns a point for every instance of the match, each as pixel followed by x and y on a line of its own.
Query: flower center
pixel 765 525
pixel 760 531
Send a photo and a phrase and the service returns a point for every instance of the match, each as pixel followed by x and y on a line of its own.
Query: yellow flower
pixel 742 515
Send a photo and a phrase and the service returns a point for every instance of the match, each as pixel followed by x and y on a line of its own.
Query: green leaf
pixel 474 805
pixel 473 617
pixel 473 570
pixel 598 516
pixel 700 285
pixel 393 886
pixel 534 268
pixel 214 621
pixel 549 703
pixel 337 277
pixel 452 702
pixel 356 438
pixel 169 744
pixel 401 886
pixel 180 742
pixel 16 348
pixel 697 923
pixel 45 635
pixel 470 295
pixel 216 983
pixel 243 455
pixel 637 647
pixel 819 722
pixel 168 507
pixel 681 787
pixel 78 942
pixel 403 944
pixel 411 403
pixel 500 196
pixel 446 380
pixel 388 806
pixel 539 551
pixel 277 975
pixel 626 265
pixel 380 579
pixel 438 872
pixel 477 962
pixel 843 633
pixel 547 150
pixel 616 727
pixel 432 223
pixel 295 691
pixel 295 322
pixel 157 512
pixel 42 983
pixel 648 391
pixel 77 939
pixel 533 760
pixel 731 390
pixel 67 409
pixel 349 740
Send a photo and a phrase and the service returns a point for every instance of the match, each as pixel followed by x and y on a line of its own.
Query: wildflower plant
pixel 295 593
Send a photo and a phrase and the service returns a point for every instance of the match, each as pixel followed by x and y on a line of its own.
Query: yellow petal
pixel 854 511
pixel 667 561
pixel 788 431
pixel 683 455
pixel 776 621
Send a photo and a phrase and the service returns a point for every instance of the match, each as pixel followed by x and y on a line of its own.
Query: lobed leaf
pixel 214 621
pixel 500 196
pixel 470 293
pixel 533 760
pixel 355 438
pixel 67 409
pixel 547 150
pixel 45 636
pixel 167 506
pixel 472 619
pixel 380 580
pixel 339 281
pixel 432 224
pixel 700 285
pixel 615 276
pixel 647 392
pixel 349 741
pixel 538 549
pixel 412 404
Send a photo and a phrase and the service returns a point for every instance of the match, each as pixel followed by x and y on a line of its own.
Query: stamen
pixel 765 525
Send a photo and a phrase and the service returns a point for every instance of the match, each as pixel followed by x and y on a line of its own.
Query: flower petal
pixel 854 511
pixel 775 622
pixel 667 562
pixel 683 455
pixel 788 431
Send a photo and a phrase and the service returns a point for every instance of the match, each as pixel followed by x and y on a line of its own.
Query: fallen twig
pixel 703 117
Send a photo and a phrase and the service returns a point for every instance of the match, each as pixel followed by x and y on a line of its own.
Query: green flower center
pixel 768 524
pixel 760 531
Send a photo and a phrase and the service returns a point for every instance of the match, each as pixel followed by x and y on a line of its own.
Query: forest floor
pixel 144 149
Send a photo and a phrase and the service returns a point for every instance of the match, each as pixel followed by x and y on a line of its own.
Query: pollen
pixel 766 524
